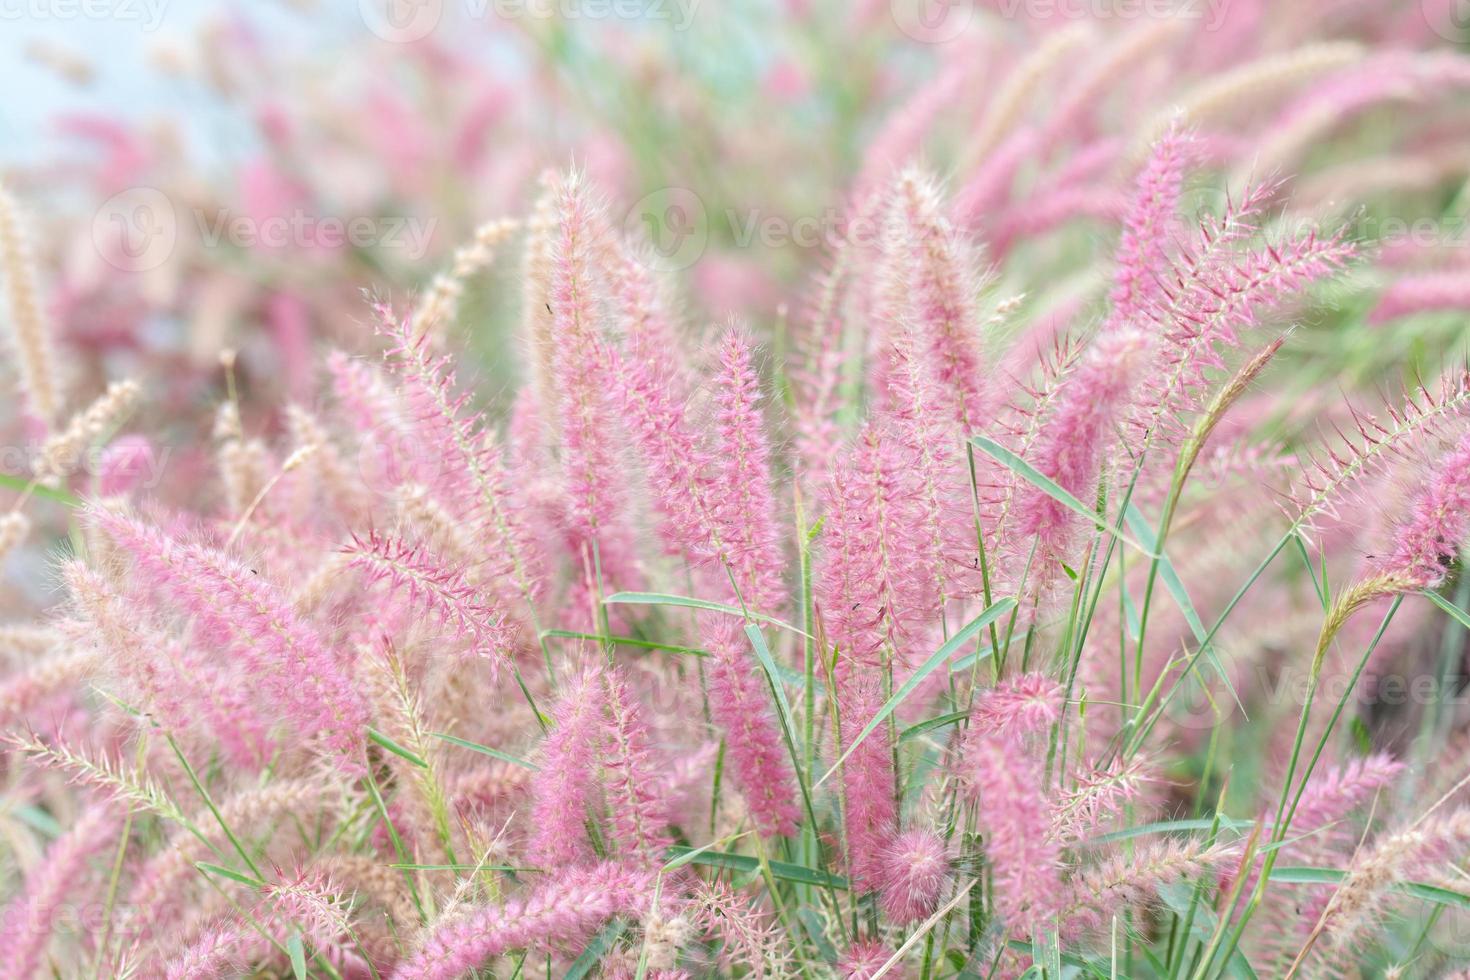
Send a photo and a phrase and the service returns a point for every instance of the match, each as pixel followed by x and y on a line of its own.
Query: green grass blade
pixel 1169 827
pixel 623 641
pixel 1456 613
pixel 298 955
pixel 1331 876
pixel 768 664
pixel 597 949
pixel 485 750
pixel 22 484
pixel 965 663
pixel 949 649
pixel 929 724
pixel 229 873
pixel 395 748
pixel 1175 587
pixel 746 863
pixel 685 602
pixel 1050 487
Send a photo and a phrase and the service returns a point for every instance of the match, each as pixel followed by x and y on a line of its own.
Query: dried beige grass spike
pixel 29 332
pixel 62 452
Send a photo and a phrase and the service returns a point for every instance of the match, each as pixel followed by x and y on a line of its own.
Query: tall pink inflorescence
pixel 640 818
pixel 942 289
pixel 1012 812
pixel 1079 433
pixel 740 703
pixel 913 875
pixel 235 606
pixel 745 505
pixel 565 786
pixel 562 911
pixel 1428 541
pixel 1143 250
pixel 870 816
pixel 31 917
pixel 592 476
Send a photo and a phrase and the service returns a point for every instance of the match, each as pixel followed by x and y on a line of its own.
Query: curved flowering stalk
pixel 1216 292
pixel 565 786
pixel 31 916
pixel 184 689
pixel 943 287
pixel 233 605
pixel 1142 250
pixel 1319 831
pixel 436 588
pixel 740 703
pixel 562 911
pixel 1100 894
pixel 1077 437
pixel 1428 842
pixel 1377 444
pixel 1097 796
pixel 470 476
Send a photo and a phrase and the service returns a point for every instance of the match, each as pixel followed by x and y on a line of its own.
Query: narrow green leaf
pixel 966 662
pixel 1317 585
pixel 458 867
pixel 597 949
pixel 1459 615
pixel 1331 876
pixel 233 875
pixel 1168 827
pixel 768 663
pixel 929 724
pixel 949 649
pixel 395 748
pixel 664 599
pixel 1175 587
pixel 38 820
pixel 23 484
pixel 298 955
pixel 624 641
pixel 745 863
pixel 1049 487
pixel 485 750
pixel 1179 897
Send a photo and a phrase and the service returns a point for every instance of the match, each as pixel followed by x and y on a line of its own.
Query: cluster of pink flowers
pixel 1013 604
